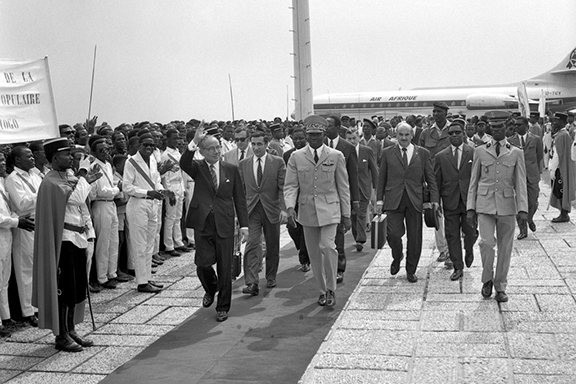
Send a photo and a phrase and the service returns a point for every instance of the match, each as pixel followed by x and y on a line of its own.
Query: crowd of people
pixel 101 206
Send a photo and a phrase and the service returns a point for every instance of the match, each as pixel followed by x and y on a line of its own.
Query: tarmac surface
pixel 388 331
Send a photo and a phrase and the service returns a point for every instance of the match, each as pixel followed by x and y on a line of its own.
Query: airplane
pixel 558 85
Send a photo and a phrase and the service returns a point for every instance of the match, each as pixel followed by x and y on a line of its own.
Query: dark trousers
pixel 218 251
pixel 72 279
pixel 533 190
pixel 339 240
pixel 405 212
pixel 297 235
pixel 258 222
pixel 359 222
pixel 454 221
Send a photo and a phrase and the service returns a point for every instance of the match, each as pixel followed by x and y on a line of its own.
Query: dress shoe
pixel 322 300
pixel 207 300
pixel 339 277
pixel 66 344
pixel 95 287
pixel 159 257
pixel 412 278
pixel 30 320
pixel 174 253
pixel 5 332
pixel 532 226
pixel 501 297
pixel 110 284
pixel 443 257
pixel 221 316
pixel 330 299
pixel 469 259
pixel 158 260
pixel 155 284
pixel 522 235
pixel 123 277
pixel 561 219
pixel 10 324
pixel 271 283
pixel 148 288
pixel 251 289
pixel 395 266
pixel 80 341
pixel 183 249
pixel 131 272
pixel 487 289
pixel 448 265
pixel 456 275
pixel 305 267
pixel 155 264
pixel 359 247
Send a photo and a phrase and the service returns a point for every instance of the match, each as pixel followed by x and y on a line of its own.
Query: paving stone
pixel 21 363
pixel 543 379
pixel 140 315
pixel 26 349
pixel 338 376
pixel 370 341
pixel 134 329
pixel 180 293
pixel 460 350
pixel 381 315
pixel 6 374
pixel 173 315
pixel 435 370
pixel 29 335
pixel 362 361
pixel 532 346
pixel 108 360
pixel 566 346
pixel 556 303
pixel 56 378
pixel 416 289
pixel 440 321
pixel 174 301
pixel 452 297
pixel 480 305
pixel 186 283
pixel 520 303
pixel 482 322
pixel 478 370
pixel 65 362
pixel 123 340
pixel 544 367
pixel 386 302
pixel 529 290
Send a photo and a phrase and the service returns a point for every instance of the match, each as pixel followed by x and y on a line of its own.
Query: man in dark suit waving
pixel 263 178
pixel 403 170
pixel 452 167
pixel 218 193
pixel 333 140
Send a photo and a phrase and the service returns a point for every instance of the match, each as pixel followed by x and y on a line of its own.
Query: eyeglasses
pixel 454 133
pixel 240 139
pixel 147 145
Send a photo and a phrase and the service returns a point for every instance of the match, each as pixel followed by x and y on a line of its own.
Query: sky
pixel 164 60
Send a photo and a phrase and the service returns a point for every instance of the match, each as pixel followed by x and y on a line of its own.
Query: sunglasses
pixel 240 139
pixel 454 133
pixel 148 145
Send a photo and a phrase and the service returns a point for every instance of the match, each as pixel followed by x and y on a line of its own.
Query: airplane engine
pixel 478 101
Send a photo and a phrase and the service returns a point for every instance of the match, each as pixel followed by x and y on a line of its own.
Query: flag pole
pixel 92 83
pixel 231 96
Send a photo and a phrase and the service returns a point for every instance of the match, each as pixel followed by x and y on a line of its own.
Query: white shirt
pixel 22 197
pixel 134 184
pixel 255 165
pixel 334 141
pixel 7 218
pixel 172 180
pixel 76 215
pixel 318 150
pixel 409 152
pixel 104 188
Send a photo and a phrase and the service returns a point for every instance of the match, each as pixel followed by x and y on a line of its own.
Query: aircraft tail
pixel 566 66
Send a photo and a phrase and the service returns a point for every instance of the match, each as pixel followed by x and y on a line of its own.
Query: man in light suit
pixel 316 179
pixel 333 141
pixel 243 149
pixel 452 168
pixel 497 193
pixel 367 181
pixel 218 193
pixel 403 170
pixel 531 144
pixel 263 177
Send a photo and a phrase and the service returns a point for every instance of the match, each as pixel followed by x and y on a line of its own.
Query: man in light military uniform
pixel 317 180
pixel 497 193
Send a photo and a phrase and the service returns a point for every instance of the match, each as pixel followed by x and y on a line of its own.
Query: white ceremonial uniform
pixel 7 221
pixel 105 219
pixel 22 188
pixel 158 157
pixel 173 181
pixel 142 214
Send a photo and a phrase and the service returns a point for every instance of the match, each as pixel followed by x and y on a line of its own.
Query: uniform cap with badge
pixel 315 124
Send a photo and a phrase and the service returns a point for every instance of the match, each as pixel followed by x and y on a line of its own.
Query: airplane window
pixel 463 103
pixel 397 104
pixel 407 104
pixel 380 105
pixel 351 105
pixel 453 103
pixel 415 104
pixel 425 104
pixel 363 105
pixel 389 105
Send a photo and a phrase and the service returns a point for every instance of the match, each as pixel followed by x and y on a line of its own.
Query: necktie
pixel 405 157
pixel 522 141
pixel 456 158
pixel 331 143
pixel 497 148
pixel 259 172
pixel 241 155
pixel 214 178
pixel 315 157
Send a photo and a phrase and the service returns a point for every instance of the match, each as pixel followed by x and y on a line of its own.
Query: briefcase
pixel 236 264
pixel 378 231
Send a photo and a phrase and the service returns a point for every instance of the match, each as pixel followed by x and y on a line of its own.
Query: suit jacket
pixel 367 172
pixel 394 179
pixel 226 202
pixel 374 144
pixel 351 159
pixel 453 183
pixel 232 155
pixel 533 154
pixel 271 193
pixel 321 190
pixel 498 183
pixel 286 155
pixel 384 143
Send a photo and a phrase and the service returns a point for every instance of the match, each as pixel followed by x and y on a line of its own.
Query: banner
pixel 523 103
pixel 542 104
pixel 27 110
